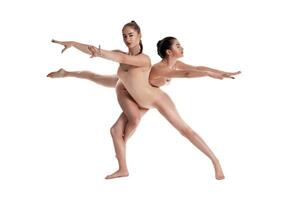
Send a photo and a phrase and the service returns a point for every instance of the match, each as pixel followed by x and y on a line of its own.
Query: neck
pixel 170 62
pixel 134 50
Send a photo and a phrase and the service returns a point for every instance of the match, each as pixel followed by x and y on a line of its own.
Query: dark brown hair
pixel 163 45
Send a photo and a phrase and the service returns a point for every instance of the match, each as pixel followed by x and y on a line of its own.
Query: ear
pixel 168 52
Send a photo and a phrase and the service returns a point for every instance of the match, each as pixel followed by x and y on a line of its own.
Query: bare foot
pixel 57 74
pixel 118 174
pixel 219 175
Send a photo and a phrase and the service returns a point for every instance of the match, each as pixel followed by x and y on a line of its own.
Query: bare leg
pixel 167 108
pixel 131 109
pixel 124 128
pixel 105 80
pixel 120 147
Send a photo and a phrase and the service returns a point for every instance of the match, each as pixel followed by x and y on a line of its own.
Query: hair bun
pixel 133 21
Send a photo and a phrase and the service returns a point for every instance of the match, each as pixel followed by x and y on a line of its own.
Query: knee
pixel 115 132
pixel 186 131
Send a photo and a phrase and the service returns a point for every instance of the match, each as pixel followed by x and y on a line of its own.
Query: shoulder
pixel 158 65
pixel 145 58
pixel 179 65
pixel 159 69
pixel 182 65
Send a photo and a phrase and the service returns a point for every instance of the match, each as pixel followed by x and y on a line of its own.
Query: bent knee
pixel 115 131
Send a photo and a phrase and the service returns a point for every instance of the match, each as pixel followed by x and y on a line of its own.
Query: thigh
pixel 127 103
pixel 168 109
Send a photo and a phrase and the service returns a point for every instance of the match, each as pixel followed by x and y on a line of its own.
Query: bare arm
pixel 185 73
pixel 181 65
pixel 81 47
pixel 134 61
pixel 114 55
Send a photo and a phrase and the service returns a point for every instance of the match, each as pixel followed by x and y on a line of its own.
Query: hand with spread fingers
pixel 66 44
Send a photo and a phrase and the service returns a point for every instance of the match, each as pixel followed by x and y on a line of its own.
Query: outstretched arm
pixel 140 60
pixel 114 55
pixel 184 66
pixel 185 73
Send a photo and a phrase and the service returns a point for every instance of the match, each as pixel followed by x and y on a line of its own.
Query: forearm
pixel 81 47
pixel 112 55
pixel 207 69
pixel 196 73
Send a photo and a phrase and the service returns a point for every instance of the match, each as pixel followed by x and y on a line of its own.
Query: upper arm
pixel 171 73
pixel 137 61
pixel 182 65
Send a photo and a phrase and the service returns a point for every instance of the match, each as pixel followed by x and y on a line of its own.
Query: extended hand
pixel 66 45
pixel 230 74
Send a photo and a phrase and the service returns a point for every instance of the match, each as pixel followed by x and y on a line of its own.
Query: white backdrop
pixel 54 133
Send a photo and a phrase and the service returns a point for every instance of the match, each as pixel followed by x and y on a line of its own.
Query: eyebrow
pixel 129 33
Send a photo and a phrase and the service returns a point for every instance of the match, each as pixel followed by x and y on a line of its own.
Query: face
pixel 131 37
pixel 176 49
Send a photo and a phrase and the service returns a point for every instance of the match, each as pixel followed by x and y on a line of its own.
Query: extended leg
pixel 167 108
pixel 105 80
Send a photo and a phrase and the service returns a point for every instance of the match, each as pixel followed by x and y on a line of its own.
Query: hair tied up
pixel 163 45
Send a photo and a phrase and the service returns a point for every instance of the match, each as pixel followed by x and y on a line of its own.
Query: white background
pixel 54 133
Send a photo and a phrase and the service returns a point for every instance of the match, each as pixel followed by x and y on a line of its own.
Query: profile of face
pixel 176 50
pixel 131 37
